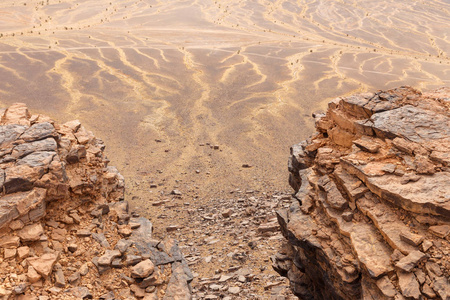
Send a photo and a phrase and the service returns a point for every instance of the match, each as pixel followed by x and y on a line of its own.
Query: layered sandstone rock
pixel 371 214
pixel 65 231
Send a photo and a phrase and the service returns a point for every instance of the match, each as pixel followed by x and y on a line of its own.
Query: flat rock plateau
pixel 199 102
pixel 371 214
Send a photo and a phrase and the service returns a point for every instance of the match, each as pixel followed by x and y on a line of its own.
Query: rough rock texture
pixel 65 231
pixel 371 214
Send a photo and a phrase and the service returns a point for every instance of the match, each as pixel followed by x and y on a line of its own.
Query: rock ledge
pixel 65 230
pixel 371 214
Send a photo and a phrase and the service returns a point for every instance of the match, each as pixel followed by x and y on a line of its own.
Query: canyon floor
pixel 199 101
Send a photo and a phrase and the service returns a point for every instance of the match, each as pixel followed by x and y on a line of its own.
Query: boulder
pixel 44 264
pixel 410 261
pixel 142 269
pixel 31 233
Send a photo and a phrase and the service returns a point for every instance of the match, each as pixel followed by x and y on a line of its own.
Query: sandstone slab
pixel 23 202
pixel 387 222
pixel 107 258
pixel 386 287
pixel 142 269
pixel 31 233
pixel 411 238
pixel 441 231
pixel 22 150
pixel 9 133
pixel 39 131
pixel 333 195
pixel 9 241
pixel 178 287
pixel 371 250
pixel 410 261
pixel 413 123
pixel 427 195
pixel 43 264
pixel 409 285
pixel 32 275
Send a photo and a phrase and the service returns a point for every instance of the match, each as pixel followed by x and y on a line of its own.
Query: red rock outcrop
pixel 65 231
pixel 371 214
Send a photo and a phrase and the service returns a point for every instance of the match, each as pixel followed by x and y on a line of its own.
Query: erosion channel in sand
pixel 186 93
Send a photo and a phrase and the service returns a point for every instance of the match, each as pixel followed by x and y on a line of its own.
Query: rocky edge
pixel 371 214
pixel 65 231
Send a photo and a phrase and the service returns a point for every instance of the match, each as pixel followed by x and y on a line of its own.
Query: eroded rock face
pixel 371 214
pixel 65 231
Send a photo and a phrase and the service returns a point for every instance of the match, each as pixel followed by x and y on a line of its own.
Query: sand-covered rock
pixel 371 215
pixel 65 230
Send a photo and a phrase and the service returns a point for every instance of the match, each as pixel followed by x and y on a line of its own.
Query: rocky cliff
pixel 65 231
pixel 371 214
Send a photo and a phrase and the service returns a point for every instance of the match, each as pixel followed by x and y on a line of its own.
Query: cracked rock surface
pixel 65 231
pixel 371 214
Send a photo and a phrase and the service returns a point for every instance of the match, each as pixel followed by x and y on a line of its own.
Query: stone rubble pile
pixel 236 233
pixel 371 214
pixel 65 231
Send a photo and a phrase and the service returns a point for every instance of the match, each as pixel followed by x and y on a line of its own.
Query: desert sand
pixel 163 82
